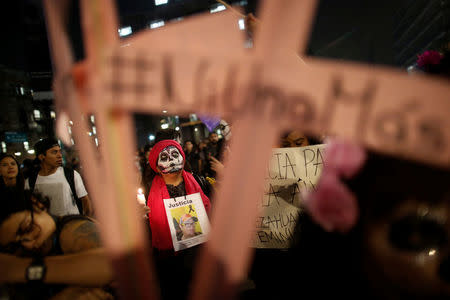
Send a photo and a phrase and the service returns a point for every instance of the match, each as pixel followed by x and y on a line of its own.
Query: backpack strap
pixel 70 177
pixel 32 180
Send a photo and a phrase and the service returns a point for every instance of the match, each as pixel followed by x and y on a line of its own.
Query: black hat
pixel 43 145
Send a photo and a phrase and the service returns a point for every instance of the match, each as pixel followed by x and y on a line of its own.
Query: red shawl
pixel 161 237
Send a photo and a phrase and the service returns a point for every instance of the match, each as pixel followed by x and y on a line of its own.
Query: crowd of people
pixel 374 236
pixel 47 221
pixel 203 159
pixel 46 214
pixel 49 241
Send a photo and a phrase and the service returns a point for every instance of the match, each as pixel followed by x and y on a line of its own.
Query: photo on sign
pixel 185 222
pixel 188 221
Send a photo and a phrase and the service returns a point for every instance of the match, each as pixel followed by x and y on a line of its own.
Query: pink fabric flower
pixel 430 57
pixel 333 205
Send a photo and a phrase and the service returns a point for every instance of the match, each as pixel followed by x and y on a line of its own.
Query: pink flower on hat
pixel 430 57
pixel 333 205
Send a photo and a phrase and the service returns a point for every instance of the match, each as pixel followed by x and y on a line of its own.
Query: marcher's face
pixel 170 160
pixel 30 230
pixel 188 228
pixel 213 138
pixel 409 250
pixel 294 139
pixel 189 146
pixel 8 167
pixel 53 157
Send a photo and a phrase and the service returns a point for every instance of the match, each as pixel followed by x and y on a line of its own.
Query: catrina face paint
pixel 170 160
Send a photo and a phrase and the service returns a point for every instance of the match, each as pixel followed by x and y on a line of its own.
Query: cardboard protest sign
pixel 205 33
pixel 188 221
pixel 331 98
pixel 291 171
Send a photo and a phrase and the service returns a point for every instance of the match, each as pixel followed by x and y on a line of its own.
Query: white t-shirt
pixel 56 187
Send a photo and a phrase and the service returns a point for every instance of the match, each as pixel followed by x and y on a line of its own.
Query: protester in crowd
pixel 296 138
pixel 28 167
pixel 63 186
pixel 11 179
pixel 10 172
pixel 214 149
pixel 270 264
pixel 148 173
pixel 192 157
pixel 202 155
pixel 143 157
pixel 366 238
pixel 48 257
pixel 167 160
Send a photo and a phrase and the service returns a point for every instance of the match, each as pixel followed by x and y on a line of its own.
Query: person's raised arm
pixel 79 235
pixel 87 268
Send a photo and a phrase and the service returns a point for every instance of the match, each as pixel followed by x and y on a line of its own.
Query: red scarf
pixel 161 237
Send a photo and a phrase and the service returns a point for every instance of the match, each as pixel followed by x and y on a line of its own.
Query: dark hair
pixel 20 181
pixel 194 145
pixel 3 155
pixel 16 202
pixel 167 134
pixel 13 202
pixel 42 146
pixel 147 147
pixel 312 140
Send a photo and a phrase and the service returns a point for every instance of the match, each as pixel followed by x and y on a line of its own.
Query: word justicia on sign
pixel 181 203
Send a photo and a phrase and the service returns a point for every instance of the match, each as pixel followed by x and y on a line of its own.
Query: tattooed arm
pixel 84 261
pixel 79 235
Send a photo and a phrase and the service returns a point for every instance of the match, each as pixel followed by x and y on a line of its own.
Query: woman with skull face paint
pixel 167 159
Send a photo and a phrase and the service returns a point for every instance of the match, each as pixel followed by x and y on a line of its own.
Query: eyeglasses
pixel 189 224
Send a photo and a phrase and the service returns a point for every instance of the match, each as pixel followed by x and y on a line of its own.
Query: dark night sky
pixel 364 27
pixel 357 30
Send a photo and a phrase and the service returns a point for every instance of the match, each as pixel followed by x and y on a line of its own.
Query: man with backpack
pixel 64 186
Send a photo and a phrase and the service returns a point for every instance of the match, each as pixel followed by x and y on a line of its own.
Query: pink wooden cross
pixel 200 65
